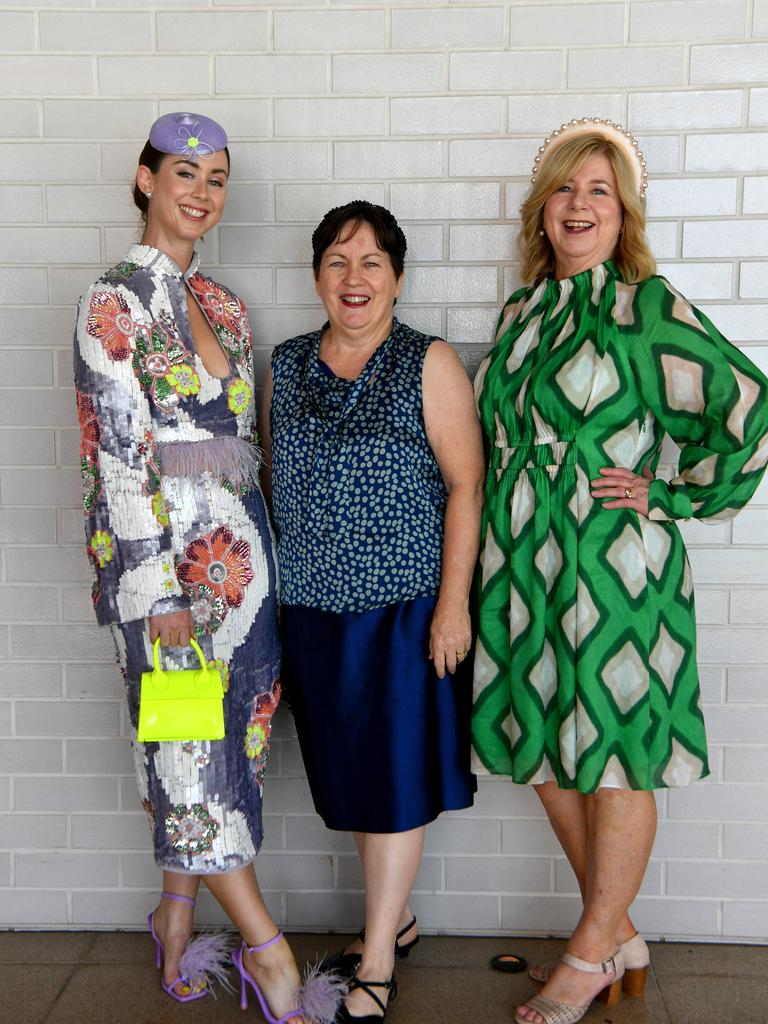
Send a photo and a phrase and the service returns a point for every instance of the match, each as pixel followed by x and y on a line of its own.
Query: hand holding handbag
pixel 181 704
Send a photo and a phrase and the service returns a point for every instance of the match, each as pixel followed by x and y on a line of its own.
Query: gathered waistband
pixel 540 453
pixel 234 458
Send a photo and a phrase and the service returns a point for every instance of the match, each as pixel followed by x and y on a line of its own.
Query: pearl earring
pixel 541 233
pixel 148 195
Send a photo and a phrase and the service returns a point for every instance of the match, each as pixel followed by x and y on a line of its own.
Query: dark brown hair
pixel 389 236
pixel 152 158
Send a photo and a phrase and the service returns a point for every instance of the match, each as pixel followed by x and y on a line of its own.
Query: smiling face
pixel 187 201
pixel 582 218
pixel 357 283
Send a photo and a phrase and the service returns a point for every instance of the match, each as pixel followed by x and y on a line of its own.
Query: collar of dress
pixel 160 263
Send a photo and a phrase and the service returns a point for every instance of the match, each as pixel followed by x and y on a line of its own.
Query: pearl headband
pixel 610 131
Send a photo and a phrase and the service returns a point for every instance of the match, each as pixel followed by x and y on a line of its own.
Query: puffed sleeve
pixel 127 525
pixel 709 397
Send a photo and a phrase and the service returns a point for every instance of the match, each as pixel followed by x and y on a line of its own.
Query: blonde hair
pixel 633 257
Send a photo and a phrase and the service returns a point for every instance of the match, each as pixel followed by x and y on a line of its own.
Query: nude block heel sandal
pixel 633 982
pixel 554 1012
pixel 636 961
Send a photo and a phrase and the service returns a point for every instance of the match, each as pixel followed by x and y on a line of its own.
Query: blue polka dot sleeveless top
pixel 358 497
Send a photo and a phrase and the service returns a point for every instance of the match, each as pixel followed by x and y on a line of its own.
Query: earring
pixel 541 233
pixel 148 195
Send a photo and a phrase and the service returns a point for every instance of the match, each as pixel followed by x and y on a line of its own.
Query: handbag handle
pixel 192 642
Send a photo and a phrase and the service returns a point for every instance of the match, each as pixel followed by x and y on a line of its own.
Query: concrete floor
pixel 84 977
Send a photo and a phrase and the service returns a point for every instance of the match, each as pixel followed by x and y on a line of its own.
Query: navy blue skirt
pixel 386 744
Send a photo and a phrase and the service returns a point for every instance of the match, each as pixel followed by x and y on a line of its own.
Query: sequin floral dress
pixel 175 519
pixel 585 671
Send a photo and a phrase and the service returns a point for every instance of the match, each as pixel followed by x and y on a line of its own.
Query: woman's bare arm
pixel 454 434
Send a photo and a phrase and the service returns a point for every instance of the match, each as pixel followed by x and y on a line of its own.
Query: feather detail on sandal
pixel 205 960
pixel 321 994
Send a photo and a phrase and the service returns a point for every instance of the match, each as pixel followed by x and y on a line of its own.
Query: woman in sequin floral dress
pixel 180 543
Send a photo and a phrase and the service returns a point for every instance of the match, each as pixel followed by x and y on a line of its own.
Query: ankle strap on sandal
pixel 367 986
pixel 179 899
pixel 610 965
pixel 400 934
pixel 263 945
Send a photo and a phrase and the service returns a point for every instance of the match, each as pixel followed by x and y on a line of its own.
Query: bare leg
pixel 356 946
pixel 621 825
pixel 173 922
pixel 391 862
pixel 274 970
pixel 567 813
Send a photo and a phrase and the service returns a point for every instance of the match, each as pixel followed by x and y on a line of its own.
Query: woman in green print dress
pixel 585 673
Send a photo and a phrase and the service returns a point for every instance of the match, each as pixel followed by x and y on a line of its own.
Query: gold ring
pixel 627 492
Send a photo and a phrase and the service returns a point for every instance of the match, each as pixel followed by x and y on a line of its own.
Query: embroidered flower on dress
pixel 101 547
pixel 90 433
pixel 190 830
pixel 208 609
pixel 223 668
pixel 184 380
pixel 259 729
pixel 226 314
pixel 89 426
pixel 121 272
pixel 255 738
pixel 220 562
pixel 160 509
pixel 89 471
pixel 169 583
pixel 156 362
pixel 238 396
pixel 148 452
pixel 109 320
pixel 199 750
pixel 239 490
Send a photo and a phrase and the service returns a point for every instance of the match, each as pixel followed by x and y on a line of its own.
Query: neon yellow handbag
pixel 182 704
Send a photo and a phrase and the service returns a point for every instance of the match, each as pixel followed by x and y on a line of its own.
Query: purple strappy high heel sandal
pixel 203 960
pixel 317 999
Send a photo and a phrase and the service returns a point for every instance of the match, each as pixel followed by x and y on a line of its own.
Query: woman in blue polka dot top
pixel 377 471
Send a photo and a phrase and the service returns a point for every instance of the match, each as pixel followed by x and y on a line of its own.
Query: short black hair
pixel 389 236
pixel 152 158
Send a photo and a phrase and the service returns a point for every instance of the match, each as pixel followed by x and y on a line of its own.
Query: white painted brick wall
pixel 435 108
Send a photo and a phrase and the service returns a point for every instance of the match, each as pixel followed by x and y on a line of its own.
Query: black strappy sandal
pixel 345 1017
pixel 346 964
pixel 401 949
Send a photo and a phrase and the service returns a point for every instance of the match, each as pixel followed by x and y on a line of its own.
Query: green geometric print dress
pixel 585 669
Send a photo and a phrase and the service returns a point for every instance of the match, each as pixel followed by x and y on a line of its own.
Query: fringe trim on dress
pixel 232 457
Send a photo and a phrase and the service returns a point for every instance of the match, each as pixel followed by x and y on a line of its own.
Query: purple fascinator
pixel 187 135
